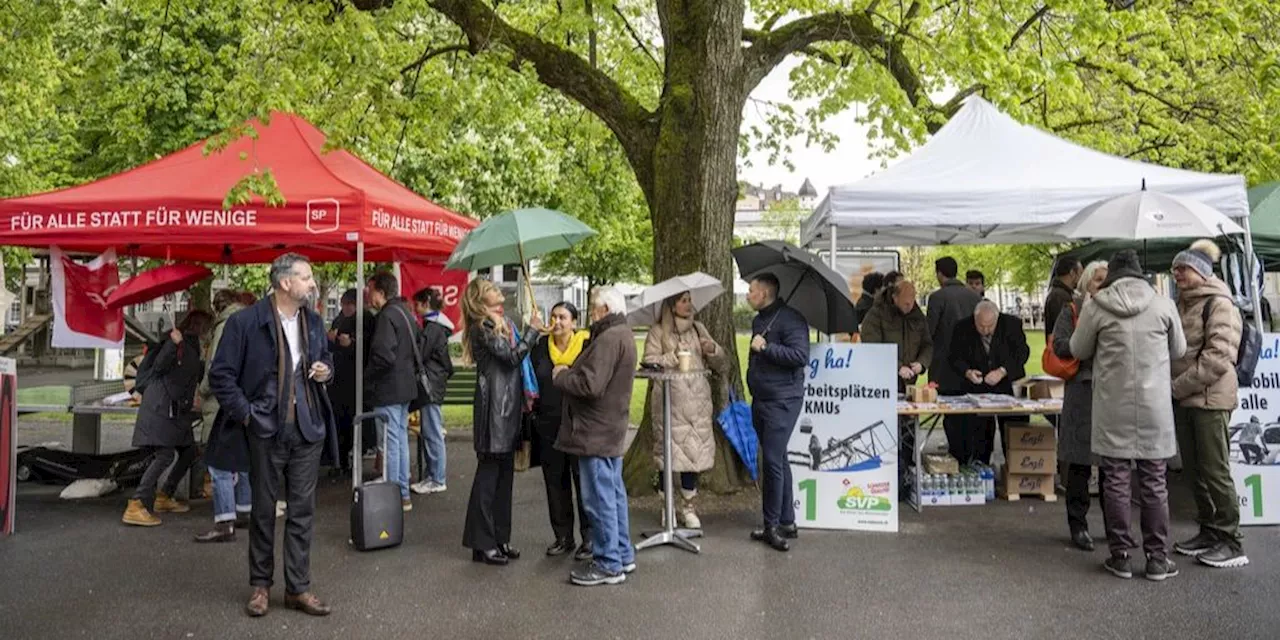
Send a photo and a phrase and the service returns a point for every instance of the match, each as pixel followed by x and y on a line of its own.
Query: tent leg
pixel 1255 294
pixel 831 259
pixel 357 450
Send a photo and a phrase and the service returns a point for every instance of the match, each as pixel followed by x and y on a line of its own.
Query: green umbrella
pixel 517 236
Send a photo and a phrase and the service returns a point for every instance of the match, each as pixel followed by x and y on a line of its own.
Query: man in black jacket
pixel 342 392
pixel 1066 274
pixel 775 376
pixel 390 375
pixel 433 346
pixel 988 351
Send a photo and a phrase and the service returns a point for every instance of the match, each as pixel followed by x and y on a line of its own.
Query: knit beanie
pixel 1199 257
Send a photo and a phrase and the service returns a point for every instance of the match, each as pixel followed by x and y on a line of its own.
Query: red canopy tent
pixel 172 208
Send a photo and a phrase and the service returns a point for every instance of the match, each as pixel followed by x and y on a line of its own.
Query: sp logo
pixel 323 215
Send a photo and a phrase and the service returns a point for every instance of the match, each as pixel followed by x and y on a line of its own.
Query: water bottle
pixel 989 482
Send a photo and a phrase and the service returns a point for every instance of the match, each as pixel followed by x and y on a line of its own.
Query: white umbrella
pixel 1147 215
pixel 646 308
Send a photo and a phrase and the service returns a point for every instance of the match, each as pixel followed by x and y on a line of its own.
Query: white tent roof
pixel 986 178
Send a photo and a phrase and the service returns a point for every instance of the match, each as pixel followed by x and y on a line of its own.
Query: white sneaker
pixel 427 486
pixel 281 505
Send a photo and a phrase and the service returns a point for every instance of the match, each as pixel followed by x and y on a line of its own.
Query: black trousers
pixel 560 475
pixel 774 420
pixel 1078 497
pixel 342 418
pixel 286 464
pixel 488 523
pixel 161 458
pixel 970 438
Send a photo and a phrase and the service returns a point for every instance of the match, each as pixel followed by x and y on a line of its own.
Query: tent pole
pixel 357 452
pixel 1255 294
pixel 831 259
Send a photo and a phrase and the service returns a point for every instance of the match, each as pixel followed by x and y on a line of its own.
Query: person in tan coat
pixel 692 408
pixel 1204 385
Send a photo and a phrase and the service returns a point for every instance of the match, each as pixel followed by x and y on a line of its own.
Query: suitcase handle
pixel 357 449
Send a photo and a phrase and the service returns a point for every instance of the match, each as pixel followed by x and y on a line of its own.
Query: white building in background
pixel 753 220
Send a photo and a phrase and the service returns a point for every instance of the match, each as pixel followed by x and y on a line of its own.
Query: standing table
pixel 669 534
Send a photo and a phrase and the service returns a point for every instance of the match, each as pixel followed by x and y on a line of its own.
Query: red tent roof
pixel 173 207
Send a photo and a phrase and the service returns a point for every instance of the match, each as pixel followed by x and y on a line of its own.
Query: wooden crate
pixel 1016 485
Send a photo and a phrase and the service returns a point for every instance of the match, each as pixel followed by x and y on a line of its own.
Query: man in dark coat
pixel 596 413
pixel 268 376
pixel 391 376
pixel 896 319
pixel 951 303
pixel 342 391
pixel 988 351
pixel 775 376
pixel 1066 274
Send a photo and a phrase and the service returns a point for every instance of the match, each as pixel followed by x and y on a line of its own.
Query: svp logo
pixel 323 215
pixel 856 500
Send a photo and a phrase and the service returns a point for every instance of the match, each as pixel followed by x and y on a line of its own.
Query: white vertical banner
pixel 844 450
pixel 1254 440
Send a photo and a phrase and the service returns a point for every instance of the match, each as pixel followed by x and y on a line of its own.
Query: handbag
pixel 524 452
pixel 419 369
pixel 1065 368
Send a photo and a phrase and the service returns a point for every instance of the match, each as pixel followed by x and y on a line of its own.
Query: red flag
pixel 81 319
pixel 415 276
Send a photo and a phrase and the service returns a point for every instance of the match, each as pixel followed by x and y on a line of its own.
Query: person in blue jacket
pixel 775 376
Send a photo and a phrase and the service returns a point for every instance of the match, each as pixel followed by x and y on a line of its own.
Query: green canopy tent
pixel 1157 255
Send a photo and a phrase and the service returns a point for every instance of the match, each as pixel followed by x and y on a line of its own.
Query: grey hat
pixel 1196 260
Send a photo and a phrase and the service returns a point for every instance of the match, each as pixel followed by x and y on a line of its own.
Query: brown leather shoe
pixel 259 602
pixel 307 603
pixel 221 532
pixel 137 515
pixel 167 504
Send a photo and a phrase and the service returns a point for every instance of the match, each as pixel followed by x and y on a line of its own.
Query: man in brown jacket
pixel 896 319
pixel 1204 385
pixel 597 411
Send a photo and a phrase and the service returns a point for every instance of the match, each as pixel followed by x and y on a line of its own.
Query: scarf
pixel 571 353
pixel 527 376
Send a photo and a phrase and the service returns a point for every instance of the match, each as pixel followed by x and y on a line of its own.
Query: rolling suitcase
pixel 377 517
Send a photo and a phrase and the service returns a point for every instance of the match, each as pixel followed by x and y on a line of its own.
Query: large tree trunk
pixel 692 194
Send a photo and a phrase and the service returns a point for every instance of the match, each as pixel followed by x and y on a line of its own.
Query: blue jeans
pixel 231 494
pixel 605 500
pixel 433 435
pixel 397 445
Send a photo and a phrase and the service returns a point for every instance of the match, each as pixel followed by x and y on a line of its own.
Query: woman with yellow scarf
pixel 559 470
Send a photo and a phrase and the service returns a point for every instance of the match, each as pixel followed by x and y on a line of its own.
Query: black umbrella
pixel 806 283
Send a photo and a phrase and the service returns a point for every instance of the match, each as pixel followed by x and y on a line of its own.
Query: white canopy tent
pixel 986 178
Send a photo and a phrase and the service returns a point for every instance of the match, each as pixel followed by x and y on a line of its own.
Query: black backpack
pixel 1250 344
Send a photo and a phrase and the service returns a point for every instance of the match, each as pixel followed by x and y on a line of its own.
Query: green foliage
pixel 743 314
pixel 1024 267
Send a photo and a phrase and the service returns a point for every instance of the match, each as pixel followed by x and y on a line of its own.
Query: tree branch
pixel 769 48
pixel 565 71
pixel 636 36
pixel 432 53
pixel 1035 17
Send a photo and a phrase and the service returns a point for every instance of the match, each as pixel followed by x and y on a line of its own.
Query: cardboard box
pixel 1015 484
pixel 1046 389
pixel 922 394
pixel 1032 462
pixel 1025 437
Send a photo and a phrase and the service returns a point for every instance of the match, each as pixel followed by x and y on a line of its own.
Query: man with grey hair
pixel 988 352
pixel 267 376
pixel 597 410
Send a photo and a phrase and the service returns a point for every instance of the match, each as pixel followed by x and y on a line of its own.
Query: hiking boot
pixel 1224 555
pixel 1118 565
pixel 1201 543
pixel 593 575
pixel 221 532
pixel 138 516
pixel 1160 568
pixel 166 504
pixel 685 511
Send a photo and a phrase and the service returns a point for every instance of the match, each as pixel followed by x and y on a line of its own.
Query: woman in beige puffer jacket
pixel 692 436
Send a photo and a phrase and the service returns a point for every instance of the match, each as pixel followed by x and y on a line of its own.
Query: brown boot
pixel 138 516
pixel 259 603
pixel 166 504
pixel 307 603
pixel 221 532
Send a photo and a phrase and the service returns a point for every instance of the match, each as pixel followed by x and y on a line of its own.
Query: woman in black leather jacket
pixel 498 351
